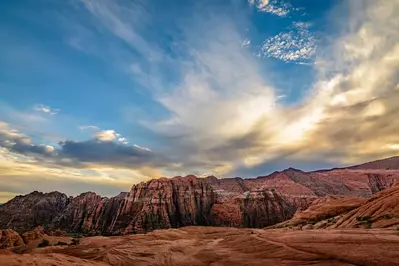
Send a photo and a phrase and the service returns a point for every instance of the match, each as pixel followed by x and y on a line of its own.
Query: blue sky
pixel 117 92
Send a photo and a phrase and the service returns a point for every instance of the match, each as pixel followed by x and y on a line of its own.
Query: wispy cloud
pixel 141 148
pixel 246 42
pixel 89 127
pixel 298 45
pixel 46 109
pixel 110 13
pixel 244 124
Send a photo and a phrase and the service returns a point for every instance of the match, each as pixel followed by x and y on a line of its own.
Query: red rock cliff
pixel 181 201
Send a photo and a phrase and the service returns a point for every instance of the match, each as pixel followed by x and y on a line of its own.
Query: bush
pixel 44 243
pixel 369 224
pixel 388 216
pixel 332 220
pixel 363 218
pixel 60 243
pixel 75 241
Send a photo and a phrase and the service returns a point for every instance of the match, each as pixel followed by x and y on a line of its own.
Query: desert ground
pixel 222 246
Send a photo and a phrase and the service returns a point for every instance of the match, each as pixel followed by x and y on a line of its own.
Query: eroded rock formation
pixel 182 201
pixel 9 238
pixel 379 211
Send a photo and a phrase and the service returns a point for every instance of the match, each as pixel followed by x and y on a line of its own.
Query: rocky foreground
pixel 222 246
pixel 379 211
pixel 186 201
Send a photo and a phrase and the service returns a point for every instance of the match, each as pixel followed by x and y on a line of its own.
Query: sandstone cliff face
pixel 161 203
pixel 166 203
pixel 24 213
pixel 81 214
pixel 182 201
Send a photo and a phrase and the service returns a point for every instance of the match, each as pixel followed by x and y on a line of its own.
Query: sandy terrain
pixel 224 246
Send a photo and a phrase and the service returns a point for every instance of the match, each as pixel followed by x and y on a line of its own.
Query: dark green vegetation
pixel 44 243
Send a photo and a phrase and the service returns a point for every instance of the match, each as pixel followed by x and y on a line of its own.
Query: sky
pixel 97 95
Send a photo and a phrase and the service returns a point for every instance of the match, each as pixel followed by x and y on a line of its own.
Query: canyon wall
pixel 182 201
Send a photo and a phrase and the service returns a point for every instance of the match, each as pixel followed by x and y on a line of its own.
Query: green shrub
pixel 389 216
pixel 369 224
pixel 332 220
pixel 75 241
pixel 363 218
pixel 44 243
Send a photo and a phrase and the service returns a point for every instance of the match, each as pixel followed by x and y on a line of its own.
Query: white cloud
pixel 297 45
pixel 135 68
pixel 276 7
pixel 301 24
pixel 141 148
pixel 107 135
pixel 122 140
pixel 111 15
pixel 224 113
pixel 46 109
pixel 394 146
pixel 246 42
pixel 49 149
pixel 89 127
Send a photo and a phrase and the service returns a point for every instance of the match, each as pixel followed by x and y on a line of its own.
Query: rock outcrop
pixel 36 233
pixel 182 201
pixel 378 211
pixel 9 238
pixel 57 232
pixel 24 213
